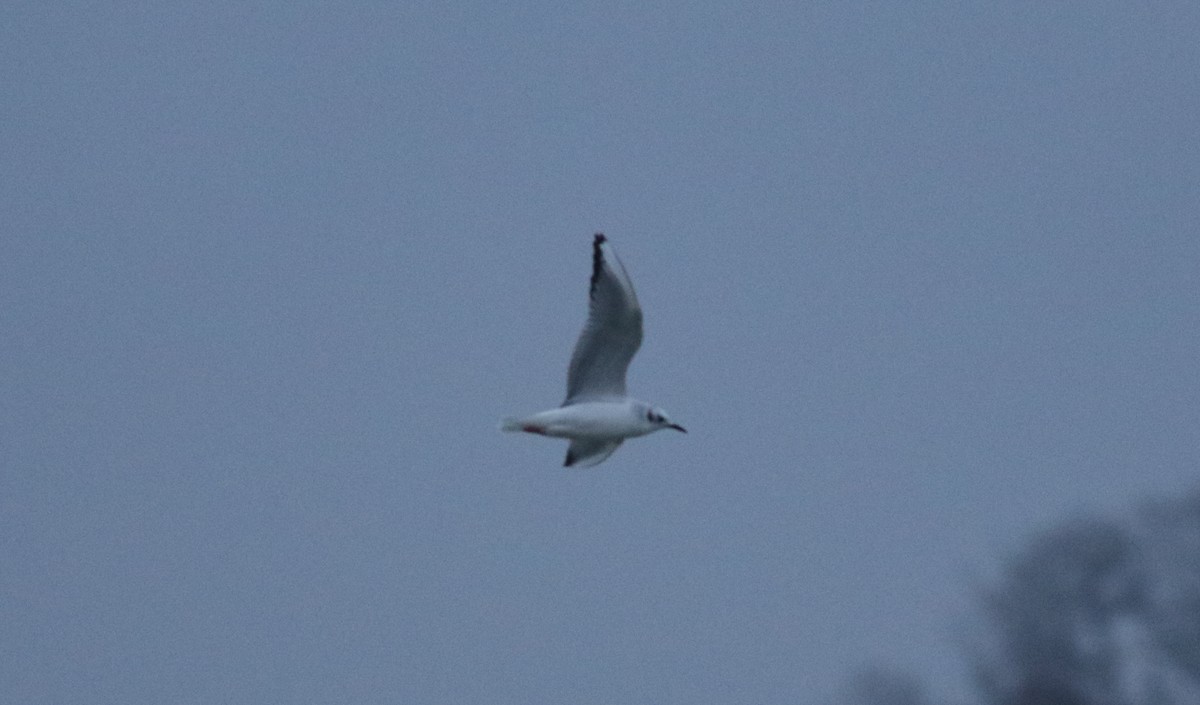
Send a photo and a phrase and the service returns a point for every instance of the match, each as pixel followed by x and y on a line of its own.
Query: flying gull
pixel 597 415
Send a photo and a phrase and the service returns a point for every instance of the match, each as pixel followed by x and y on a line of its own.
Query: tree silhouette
pixel 1054 618
pixel 1168 533
pixel 1095 611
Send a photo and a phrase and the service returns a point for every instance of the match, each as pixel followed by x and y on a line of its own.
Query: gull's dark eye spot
pixel 650 416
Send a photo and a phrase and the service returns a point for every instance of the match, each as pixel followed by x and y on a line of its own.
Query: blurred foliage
pixel 1094 611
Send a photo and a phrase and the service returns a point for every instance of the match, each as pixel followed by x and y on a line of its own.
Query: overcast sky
pixel 919 279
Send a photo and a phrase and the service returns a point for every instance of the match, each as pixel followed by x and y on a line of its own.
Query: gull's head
pixel 658 418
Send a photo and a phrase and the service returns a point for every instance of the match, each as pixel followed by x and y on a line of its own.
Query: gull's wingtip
pixel 597 260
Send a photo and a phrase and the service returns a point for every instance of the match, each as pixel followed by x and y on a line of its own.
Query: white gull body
pixel 597 415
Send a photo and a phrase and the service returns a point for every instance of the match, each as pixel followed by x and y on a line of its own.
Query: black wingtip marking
pixel 570 460
pixel 597 260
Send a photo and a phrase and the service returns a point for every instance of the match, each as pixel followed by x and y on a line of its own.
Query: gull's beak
pixel 677 427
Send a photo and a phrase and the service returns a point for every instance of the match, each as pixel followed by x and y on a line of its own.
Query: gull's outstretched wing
pixel 612 334
pixel 586 453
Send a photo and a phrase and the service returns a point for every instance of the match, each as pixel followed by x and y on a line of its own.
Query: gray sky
pixel 918 280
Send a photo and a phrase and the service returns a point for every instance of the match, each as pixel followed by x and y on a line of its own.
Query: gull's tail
pixel 510 424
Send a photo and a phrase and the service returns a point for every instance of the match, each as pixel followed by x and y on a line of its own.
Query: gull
pixel 597 415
